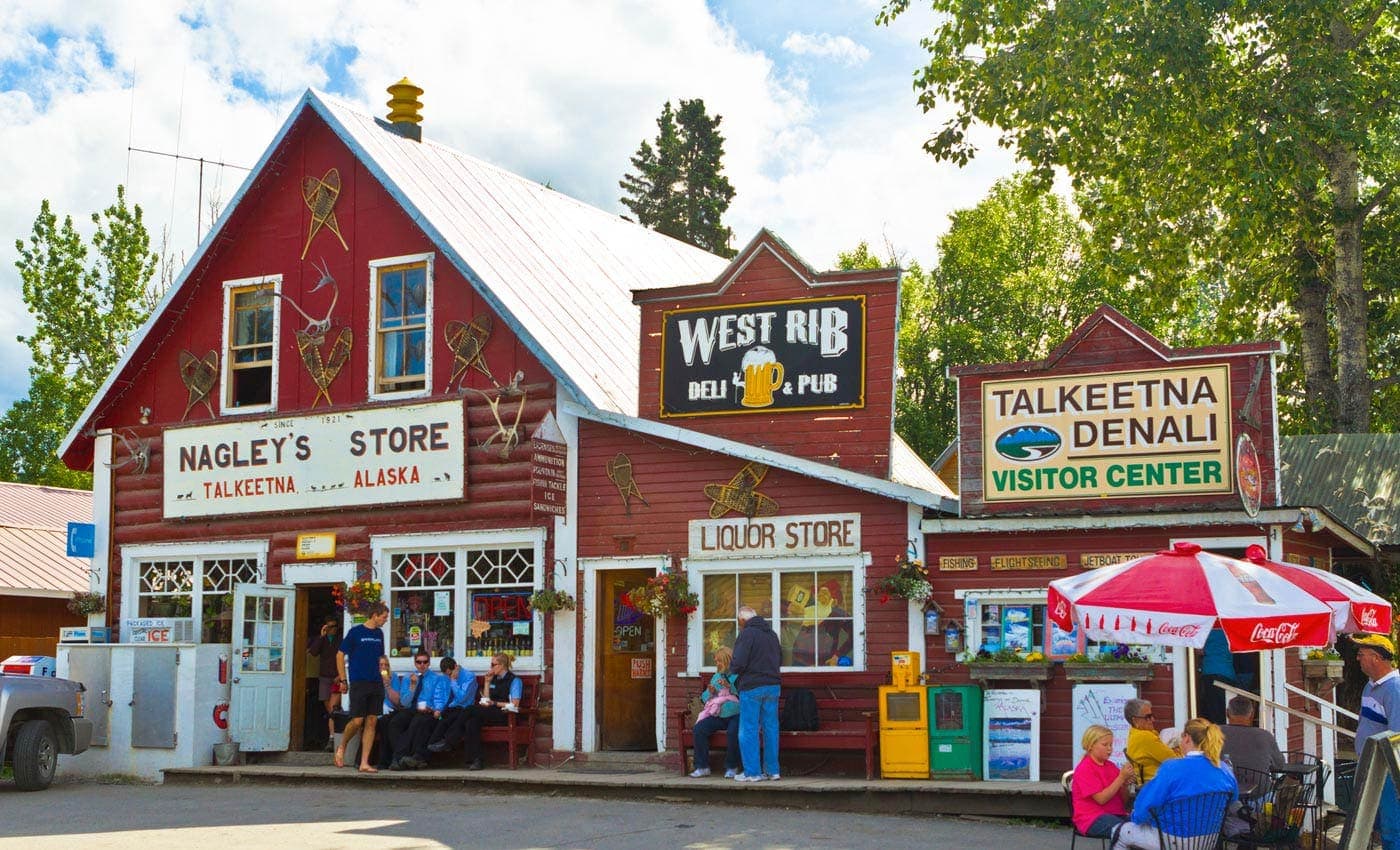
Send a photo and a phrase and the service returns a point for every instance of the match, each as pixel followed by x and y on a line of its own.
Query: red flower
pixel 884 599
pixel 627 600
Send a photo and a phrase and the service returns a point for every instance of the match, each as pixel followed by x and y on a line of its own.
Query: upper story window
pixel 401 315
pixel 251 327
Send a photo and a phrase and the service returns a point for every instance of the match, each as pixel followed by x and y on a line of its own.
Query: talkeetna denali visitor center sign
pixel 806 354
pixel 1159 431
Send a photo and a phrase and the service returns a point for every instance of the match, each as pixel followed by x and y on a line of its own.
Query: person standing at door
pixel 358 663
pixel 1217 665
pixel 323 646
pixel 1380 712
pixel 757 661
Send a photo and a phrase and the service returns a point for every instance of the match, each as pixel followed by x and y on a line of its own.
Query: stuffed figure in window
pixel 825 636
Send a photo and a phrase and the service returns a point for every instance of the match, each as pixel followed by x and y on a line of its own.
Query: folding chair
pixel 1191 823
pixel 1066 782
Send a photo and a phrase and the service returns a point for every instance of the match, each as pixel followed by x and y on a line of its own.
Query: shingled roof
pixel 1356 477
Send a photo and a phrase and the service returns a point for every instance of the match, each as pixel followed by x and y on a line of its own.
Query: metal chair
pixel 1253 783
pixel 1066 785
pixel 1191 823
pixel 1278 817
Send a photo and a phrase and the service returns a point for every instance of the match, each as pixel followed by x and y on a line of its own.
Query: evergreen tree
pixel 85 314
pixel 678 185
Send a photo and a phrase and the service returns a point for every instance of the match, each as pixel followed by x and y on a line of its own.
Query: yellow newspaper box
pixel 904 721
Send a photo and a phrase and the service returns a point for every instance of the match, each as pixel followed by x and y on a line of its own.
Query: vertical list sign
pixel 549 469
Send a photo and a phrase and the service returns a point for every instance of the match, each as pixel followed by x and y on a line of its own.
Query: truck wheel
pixel 36 755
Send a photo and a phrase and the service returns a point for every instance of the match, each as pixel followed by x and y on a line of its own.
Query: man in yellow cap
pixel 1380 712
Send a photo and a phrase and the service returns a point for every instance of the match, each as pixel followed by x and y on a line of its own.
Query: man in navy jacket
pixel 758 657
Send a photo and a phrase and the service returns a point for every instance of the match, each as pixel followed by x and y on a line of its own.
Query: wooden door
pixel 627 674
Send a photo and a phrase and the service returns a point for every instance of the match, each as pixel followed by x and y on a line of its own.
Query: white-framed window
pixel 251 335
pixel 401 321
pixel 1015 618
pixel 194 580
pixel 463 594
pixel 814 604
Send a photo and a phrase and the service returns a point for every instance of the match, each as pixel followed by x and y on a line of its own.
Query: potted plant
pixel 359 596
pixel 908 581
pixel 1120 664
pixel 665 594
pixel 1322 668
pixel 1007 665
pixel 87 604
pixel 548 599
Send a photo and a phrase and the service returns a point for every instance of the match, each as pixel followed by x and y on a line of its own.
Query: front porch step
pixel 619 762
pixel 289 759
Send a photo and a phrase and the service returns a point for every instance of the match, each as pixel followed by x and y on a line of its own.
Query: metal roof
pixel 906 467
pixel 1353 476
pixel 33 538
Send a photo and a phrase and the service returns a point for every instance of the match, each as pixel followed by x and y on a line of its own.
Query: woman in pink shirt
pixel 1099 787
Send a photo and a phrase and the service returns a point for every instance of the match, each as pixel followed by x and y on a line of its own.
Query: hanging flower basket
pixel 665 594
pixel 1322 669
pixel 909 581
pixel 360 595
pixel 547 599
pixel 85 604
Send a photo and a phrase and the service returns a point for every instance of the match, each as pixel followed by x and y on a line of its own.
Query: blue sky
pixel 822 128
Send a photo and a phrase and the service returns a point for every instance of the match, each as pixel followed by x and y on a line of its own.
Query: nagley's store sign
pixel 383 456
pixel 1152 432
pixel 754 358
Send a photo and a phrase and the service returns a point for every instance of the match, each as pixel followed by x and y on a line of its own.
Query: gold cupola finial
pixel 404 109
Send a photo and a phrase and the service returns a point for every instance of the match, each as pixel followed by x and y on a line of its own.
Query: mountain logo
pixel 1028 443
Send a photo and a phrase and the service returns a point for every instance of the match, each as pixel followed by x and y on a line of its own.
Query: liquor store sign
pixel 389 455
pixel 804 354
pixel 1160 432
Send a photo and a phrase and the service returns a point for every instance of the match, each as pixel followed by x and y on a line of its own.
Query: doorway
pixel 315 608
pixel 626 688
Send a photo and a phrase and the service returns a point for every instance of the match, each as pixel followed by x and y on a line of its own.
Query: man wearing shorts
pixel 358 662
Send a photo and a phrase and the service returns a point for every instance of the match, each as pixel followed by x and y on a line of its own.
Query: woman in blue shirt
pixel 1197 772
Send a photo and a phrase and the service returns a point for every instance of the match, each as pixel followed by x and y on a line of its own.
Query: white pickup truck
pixel 40 718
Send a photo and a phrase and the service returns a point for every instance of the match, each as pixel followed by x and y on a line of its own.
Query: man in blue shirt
pixel 461 684
pixel 428 696
pixel 1380 712
pixel 358 663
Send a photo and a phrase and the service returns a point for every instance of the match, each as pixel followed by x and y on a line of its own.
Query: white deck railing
pixel 1316 740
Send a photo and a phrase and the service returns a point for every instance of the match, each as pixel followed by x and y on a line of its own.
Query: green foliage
pixel 85 314
pixel 678 186
pixel 1012 280
pixel 1230 158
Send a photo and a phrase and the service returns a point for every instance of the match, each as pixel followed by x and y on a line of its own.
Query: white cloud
pixel 838 47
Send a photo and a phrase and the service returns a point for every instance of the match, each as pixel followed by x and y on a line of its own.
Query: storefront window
pixel 420 602
pixel 192 581
pixel 814 618
pixel 1012 626
pixel 469 602
pixel 1016 619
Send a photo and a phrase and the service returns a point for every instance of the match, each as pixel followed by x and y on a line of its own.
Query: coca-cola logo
pixel 1188 631
pixel 1060 609
pixel 1278 634
pixel 1367 619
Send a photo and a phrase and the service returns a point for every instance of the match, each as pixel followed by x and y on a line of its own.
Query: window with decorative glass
pixel 816 620
pixel 401 326
pixel 430 588
pixel 251 335
pixel 200 588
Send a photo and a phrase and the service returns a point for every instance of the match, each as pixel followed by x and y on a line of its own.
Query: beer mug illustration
pixel 762 375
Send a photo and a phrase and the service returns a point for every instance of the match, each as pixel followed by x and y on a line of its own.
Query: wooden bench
pixel 848 710
pixel 519 728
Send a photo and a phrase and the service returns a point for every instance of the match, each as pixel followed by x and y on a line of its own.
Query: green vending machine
pixel 955 732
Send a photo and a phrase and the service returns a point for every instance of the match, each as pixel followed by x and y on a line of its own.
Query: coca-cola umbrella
pixel 1178 595
pixel 1355 609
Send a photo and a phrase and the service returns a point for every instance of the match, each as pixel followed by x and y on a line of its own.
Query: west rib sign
pixel 1143 433
pixel 806 354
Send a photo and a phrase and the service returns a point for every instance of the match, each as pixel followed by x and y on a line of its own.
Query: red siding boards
pixel 672 477
pixel 856 439
pixel 1108 341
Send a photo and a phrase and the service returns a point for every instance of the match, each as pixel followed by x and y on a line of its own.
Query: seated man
pixel 1145 749
pixel 411 728
pixel 1246 745
pixel 461 685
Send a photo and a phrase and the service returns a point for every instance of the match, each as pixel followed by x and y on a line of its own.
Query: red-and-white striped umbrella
pixel 1177 596
pixel 1355 609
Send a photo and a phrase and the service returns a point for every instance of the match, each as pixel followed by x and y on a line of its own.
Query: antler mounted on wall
pixel 322 367
pixel 509 434
pixel 138 452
